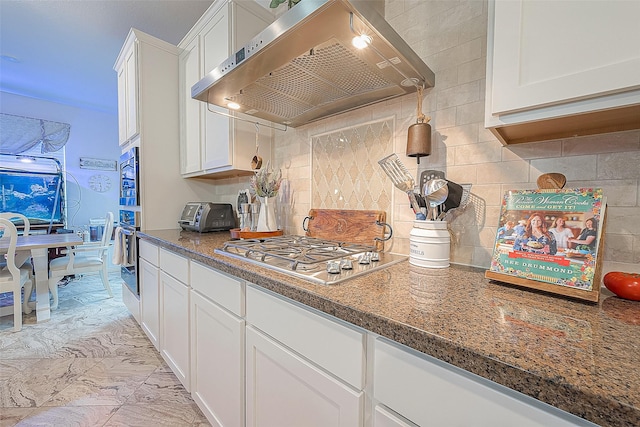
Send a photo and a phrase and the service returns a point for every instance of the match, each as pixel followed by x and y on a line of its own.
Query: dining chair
pixel 23 258
pixel 12 278
pixel 83 259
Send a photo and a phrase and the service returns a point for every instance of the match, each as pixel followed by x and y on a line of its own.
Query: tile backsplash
pixel 451 38
pixel 344 168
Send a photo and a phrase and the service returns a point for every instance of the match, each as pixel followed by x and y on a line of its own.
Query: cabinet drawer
pixel 149 251
pixel 334 346
pixel 220 288
pixel 430 392
pixel 174 265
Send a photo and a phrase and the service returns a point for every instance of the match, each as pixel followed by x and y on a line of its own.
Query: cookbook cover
pixel 550 236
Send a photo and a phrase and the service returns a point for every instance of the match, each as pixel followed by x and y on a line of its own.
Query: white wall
pixel 94 135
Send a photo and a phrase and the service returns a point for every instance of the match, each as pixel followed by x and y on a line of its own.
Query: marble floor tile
pixel 90 365
pixel 152 415
pixel 160 387
pixel 78 416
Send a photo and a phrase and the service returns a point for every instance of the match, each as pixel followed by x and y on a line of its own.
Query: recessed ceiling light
pixel 9 58
pixel 233 105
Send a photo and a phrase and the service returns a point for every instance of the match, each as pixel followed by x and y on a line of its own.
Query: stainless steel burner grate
pixel 307 257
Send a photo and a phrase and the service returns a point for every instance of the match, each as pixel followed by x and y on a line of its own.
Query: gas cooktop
pixel 318 260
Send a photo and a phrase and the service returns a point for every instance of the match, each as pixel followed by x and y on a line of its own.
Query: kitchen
pixel 451 38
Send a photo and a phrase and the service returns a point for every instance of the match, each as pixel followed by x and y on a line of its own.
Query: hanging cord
pixel 421 117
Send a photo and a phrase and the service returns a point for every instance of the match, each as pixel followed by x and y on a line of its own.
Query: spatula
pixel 401 178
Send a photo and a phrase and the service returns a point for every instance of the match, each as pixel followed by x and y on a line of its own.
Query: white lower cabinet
pixel 384 418
pixel 253 358
pixel 283 389
pixel 217 362
pixel 174 318
pixel 430 392
pixel 149 276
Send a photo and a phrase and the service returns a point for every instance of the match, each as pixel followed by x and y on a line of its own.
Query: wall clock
pixel 100 183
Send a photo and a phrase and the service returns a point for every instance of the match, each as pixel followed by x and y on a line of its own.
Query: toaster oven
pixel 203 217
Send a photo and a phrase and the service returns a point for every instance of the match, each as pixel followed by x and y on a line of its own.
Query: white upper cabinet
pixel 559 69
pixel 214 144
pixel 127 70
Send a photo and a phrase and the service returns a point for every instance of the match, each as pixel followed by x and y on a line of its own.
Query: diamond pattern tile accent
pixel 345 170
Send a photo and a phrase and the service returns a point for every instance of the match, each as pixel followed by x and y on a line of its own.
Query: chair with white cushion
pixel 83 259
pixel 12 278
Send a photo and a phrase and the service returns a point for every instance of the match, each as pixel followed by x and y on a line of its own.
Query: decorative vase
pixel 267 216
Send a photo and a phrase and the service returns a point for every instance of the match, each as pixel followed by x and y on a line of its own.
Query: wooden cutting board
pixel 353 226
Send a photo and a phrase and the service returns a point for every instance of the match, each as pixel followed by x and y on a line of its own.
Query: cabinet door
pixel 131 90
pixel 430 392
pixel 384 418
pixel 546 53
pixel 150 301
pixel 174 326
pixel 285 390
pixel 191 134
pixel 217 142
pixel 122 105
pixel 217 362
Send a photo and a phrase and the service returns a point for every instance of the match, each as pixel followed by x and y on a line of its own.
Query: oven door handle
pixel 127 231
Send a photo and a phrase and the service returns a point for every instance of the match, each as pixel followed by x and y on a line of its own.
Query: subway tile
pixel 459 135
pixel 574 168
pixel 623 220
pixel 474 28
pixel 446 39
pixel 462 174
pixel 393 8
pixel 534 150
pixel 472 71
pixel 477 153
pixel 494 173
pixel 456 55
pixel 445 118
pixel 619 247
pixel 606 143
pixel 459 95
pixel 481 257
pixel 484 134
pixel 619 165
pixel 618 192
pixel 470 113
pixel 492 193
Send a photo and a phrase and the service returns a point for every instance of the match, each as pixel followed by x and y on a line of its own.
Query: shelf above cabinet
pixel 597 122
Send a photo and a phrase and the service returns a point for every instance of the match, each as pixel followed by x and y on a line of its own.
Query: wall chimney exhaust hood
pixel 305 67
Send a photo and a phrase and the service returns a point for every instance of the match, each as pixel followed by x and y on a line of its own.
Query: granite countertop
pixel 583 358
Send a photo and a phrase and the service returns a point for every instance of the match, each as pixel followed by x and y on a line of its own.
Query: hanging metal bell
pixel 419 140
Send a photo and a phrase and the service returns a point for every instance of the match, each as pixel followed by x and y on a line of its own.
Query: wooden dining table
pixel 39 245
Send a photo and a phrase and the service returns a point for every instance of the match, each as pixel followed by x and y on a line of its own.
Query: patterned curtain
pixel 19 134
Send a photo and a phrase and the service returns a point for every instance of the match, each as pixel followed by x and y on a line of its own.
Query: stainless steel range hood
pixel 303 67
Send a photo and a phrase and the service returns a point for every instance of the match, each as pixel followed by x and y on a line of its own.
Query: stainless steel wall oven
pixel 128 229
pixel 129 178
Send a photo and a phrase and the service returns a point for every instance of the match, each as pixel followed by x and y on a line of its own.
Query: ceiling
pixel 64 50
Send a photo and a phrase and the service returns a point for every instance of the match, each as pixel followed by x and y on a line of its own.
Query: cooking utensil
pixel 453 212
pixel 455 196
pixel 402 179
pixel 429 174
pixel 551 181
pixel 256 162
pixel 436 191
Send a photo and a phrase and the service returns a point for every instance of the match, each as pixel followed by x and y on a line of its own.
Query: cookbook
pixel 550 240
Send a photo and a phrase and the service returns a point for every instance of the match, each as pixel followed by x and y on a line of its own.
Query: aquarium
pixel 36 195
